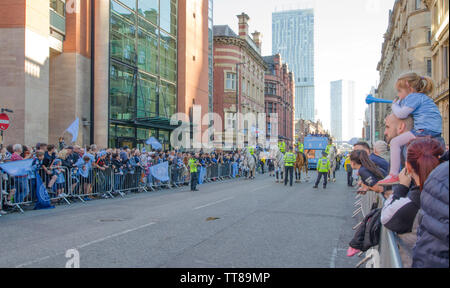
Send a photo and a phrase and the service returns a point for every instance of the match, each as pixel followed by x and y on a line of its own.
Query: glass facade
pixel 143 71
pixel 293 38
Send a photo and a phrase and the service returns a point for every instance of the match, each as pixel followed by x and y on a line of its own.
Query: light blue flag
pixel 155 143
pixel 73 129
pixel 17 168
pixel 160 171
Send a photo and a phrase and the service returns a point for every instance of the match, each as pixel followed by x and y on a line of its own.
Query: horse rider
pixel 323 166
pixel 282 146
pixel 289 161
pixel 194 163
pixel 330 144
pixel 300 147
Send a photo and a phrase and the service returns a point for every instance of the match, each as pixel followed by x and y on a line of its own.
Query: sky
pixel 348 40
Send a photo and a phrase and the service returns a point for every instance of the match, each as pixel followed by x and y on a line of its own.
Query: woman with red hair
pixel 400 210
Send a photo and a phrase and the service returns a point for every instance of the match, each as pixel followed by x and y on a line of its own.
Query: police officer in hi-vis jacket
pixel 193 168
pixel 289 161
pixel 323 166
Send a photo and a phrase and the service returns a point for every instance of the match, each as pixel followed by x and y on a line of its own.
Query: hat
pixel 324 154
pixel 69 147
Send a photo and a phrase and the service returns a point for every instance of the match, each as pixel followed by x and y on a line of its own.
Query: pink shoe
pixel 352 252
pixel 389 180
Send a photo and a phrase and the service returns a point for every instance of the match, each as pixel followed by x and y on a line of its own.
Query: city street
pixel 235 224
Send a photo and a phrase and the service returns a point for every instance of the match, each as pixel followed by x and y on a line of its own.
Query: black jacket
pixel 400 210
pixel 368 234
pixel 431 250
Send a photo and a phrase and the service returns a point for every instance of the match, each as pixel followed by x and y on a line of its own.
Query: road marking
pixel 214 203
pixel 87 244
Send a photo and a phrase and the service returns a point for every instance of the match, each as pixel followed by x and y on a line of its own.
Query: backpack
pixel 368 234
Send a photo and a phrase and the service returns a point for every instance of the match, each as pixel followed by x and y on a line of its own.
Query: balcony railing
pixel 57 22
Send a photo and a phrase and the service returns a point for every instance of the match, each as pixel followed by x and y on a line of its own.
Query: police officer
pixel 323 166
pixel 301 148
pixel 282 146
pixel 289 161
pixel 330 144
pixel 193 168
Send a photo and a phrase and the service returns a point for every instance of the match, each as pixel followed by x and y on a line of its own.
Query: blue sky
pixel 349 35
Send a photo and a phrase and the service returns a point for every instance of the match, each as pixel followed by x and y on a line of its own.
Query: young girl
pixel 413 101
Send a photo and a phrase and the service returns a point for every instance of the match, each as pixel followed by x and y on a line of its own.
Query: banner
pixel 155 143
pixel 17 168
pixel 160 171
pixel 73 129
pixel 43 200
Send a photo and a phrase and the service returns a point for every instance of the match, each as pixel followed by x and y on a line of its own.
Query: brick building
pixel 238 73
pixel 279 97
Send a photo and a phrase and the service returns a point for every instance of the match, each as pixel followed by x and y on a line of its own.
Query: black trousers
pixel 288 173
pixel 349 177
pixel 325 178
pixel 194 180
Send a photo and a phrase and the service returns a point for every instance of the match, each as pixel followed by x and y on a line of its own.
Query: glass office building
pixel 293 38
pixel 143 71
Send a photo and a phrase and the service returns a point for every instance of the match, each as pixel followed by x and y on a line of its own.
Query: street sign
pixel 4 122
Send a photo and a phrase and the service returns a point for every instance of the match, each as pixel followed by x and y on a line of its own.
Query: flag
pixel 17 168
pixel 160 171
pixel 73 129
pixel 43 200
pixel 155 144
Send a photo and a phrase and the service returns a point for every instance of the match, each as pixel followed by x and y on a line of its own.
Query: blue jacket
pixel 431 250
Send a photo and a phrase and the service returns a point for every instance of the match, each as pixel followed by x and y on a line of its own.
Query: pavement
pixel 231 224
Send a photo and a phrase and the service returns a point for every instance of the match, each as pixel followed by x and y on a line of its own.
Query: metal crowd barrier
pixel 386 254
pixel 65 185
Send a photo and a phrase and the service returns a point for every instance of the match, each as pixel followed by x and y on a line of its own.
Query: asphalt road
pixel 259 224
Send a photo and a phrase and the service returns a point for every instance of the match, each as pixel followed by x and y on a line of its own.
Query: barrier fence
pixel 67 185
pixel 386 254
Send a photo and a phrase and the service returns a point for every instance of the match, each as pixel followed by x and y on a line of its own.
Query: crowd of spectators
pixel 413 179
pixel 62 164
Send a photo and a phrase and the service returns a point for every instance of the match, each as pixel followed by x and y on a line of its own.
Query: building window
pixel 418 4
pixel 58 6
pixel 445 61
pixel 429 67
pixel 429 36
pixel 230 81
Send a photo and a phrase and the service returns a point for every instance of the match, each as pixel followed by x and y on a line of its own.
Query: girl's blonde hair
pixel 421 84
pixel 63 154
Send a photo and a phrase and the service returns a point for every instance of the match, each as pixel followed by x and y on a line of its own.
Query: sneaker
pixel 3 213
pixel 389 180
pixel 316 187
pixel 352 252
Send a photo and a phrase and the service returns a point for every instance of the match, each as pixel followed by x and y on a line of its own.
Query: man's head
pixel 396 126
pixel 362 146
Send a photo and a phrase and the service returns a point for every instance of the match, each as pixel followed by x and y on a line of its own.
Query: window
pixel 418 4
pixel 58 6
pixel 230 81
pixel 429 36
pixel 445 61
pixel 429 67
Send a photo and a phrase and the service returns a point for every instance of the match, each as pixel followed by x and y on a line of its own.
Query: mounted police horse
pixel 301 163
pixel 249 163
pixel 332 158
pixel 278 160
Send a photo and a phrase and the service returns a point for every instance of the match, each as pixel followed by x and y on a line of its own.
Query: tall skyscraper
pixel 293 37
pixel 342 110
